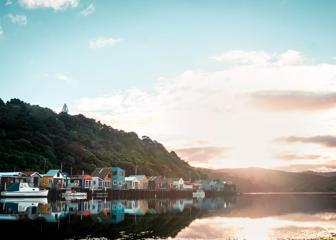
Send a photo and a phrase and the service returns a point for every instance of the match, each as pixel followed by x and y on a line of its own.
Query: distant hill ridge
pixel 34 138
pixel 267 180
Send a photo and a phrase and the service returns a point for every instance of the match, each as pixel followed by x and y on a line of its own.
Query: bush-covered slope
pixel 32 136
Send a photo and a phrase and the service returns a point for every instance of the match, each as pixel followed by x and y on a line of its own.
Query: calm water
pixel 243 217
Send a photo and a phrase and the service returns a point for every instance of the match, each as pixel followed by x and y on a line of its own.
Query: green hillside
pixel 36 138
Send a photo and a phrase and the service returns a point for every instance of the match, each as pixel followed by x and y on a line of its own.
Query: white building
pixel 178 183
pixel 132 182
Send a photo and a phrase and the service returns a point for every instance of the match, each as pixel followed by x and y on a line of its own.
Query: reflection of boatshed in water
pixel 117 212
pixel 181 204
pixel 210 203
pixel 136 207
pixel 23 209
pixel 53 217
pixel 95 206
pixel 159 205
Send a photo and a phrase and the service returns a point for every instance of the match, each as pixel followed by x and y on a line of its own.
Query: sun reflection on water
pixel 290 226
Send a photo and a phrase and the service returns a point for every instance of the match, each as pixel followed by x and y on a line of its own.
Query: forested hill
pixel 31 136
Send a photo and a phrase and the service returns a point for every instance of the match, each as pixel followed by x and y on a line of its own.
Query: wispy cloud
pixel 326 141
pixel 1 31
pixel 272 100
pixel 18 19
pixel 202 155
pixel 102 42
pixel 260 57
pixel 54 4
pixel 244 57
pixel 8 2
pixel 62 78
pixel 89 10
pixel 294 157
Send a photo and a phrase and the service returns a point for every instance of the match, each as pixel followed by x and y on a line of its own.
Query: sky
pixel 225 84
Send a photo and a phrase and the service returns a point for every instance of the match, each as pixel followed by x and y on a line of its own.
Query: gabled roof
pixel 155 178
pixel 30 173
pixel 52 172
pixel 101 172
pixel 10 174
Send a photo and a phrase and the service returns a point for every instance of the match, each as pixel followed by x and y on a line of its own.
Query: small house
pixel 103 175
pixel 80 181
pixel 132 182
pixel 217 185
pixel 139 182
pixel 168 183
pixel 54 178
pixel 229 186
pixel 156 183
pixel 32 178
pixel 178 183
pixel 8 178
pixel 97 183
pixel 206 185
pixel 118 178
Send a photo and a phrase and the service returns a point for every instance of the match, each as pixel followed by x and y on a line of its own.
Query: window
pixel 120 183
pixel 114 182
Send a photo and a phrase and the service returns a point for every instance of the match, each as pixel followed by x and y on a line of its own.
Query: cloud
pixel 290 57
pixel 65 79
pixel 62 77
pixel 89 10
pixel 1 31
pixel 326 141
pixel 293 157
pixel 18 19
pixel 102 42
pixel 8 2
pixel 244 57
pixel 201 155
pixel 260 57
pixel 272 100
pixel 54 4
pixel 215 106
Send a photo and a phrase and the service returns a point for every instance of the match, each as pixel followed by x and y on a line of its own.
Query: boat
pixel 73 195
pixel 23 190
pixel 198 194
pixel 25 200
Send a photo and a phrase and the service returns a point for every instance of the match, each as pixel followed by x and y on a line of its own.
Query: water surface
pixel 243 217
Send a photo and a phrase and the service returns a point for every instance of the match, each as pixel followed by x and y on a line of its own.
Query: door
pixel 36 181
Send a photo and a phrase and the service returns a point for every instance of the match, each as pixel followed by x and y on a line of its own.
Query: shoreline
pixel 287 193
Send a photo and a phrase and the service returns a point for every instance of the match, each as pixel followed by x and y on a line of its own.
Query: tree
pixel 65 108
